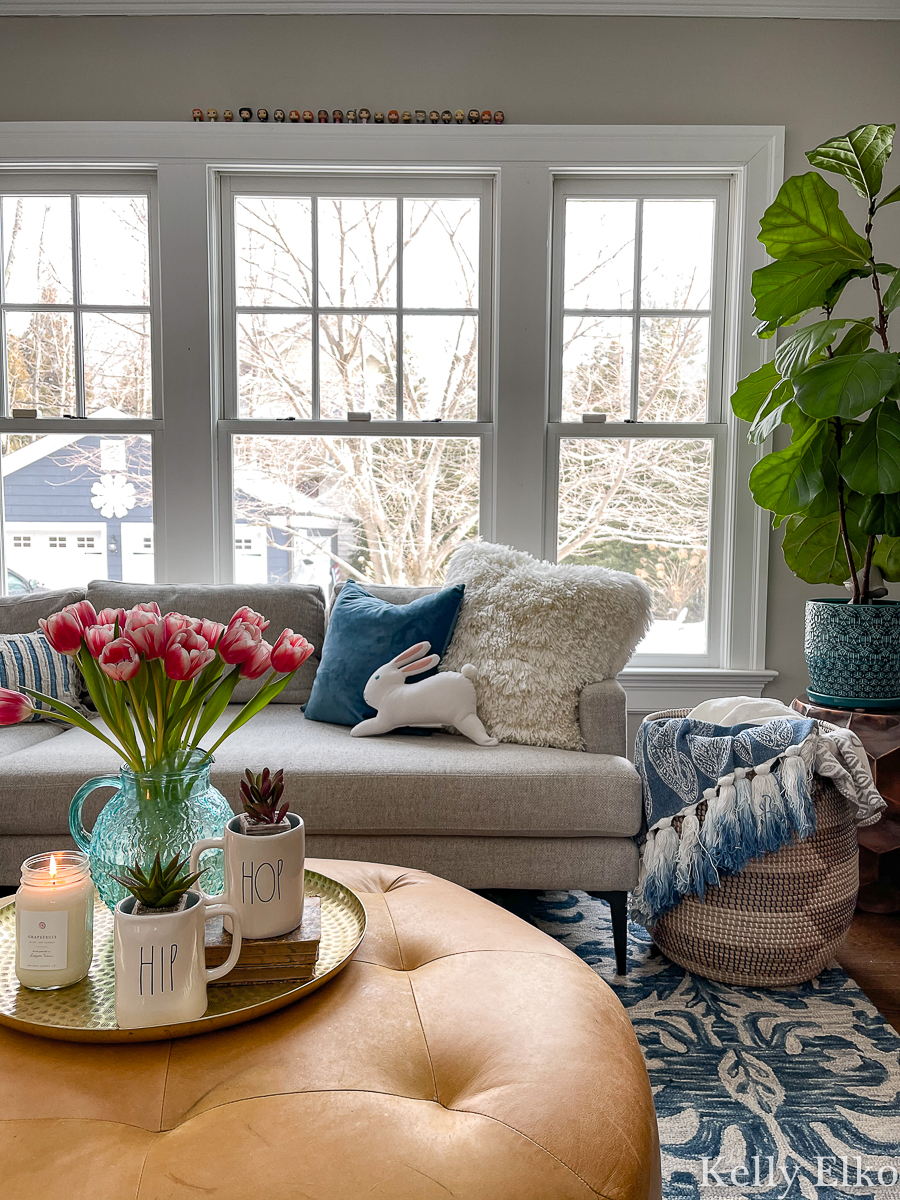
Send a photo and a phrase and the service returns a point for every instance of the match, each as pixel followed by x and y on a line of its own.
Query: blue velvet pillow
pixel 363 634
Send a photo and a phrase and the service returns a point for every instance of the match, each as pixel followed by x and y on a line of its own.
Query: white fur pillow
pixel 538 633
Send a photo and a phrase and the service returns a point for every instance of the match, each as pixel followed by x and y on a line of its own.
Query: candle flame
pixel 53 867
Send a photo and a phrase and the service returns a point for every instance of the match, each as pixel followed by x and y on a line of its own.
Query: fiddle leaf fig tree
pixel 835 383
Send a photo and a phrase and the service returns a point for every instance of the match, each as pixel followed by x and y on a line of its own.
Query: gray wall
pixel 817 78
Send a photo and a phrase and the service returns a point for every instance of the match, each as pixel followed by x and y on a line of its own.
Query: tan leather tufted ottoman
pixel 462 1053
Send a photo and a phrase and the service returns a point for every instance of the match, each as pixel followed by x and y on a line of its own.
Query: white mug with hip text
pixel 263 876
pixel 161 972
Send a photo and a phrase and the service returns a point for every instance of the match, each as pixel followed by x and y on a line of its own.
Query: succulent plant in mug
pixel 261 797
pixel 835 383
pixel 162 888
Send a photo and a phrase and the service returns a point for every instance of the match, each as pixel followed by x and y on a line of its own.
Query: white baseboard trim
pixel 650 689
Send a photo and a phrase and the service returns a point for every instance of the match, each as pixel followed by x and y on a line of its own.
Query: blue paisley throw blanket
pixel 717 796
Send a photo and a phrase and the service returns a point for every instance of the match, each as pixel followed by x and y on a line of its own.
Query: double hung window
pixel 79 374
pixel 357 345
pixel 308 354
pixel 637 433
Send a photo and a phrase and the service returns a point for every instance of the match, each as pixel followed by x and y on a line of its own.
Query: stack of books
pixel 290 958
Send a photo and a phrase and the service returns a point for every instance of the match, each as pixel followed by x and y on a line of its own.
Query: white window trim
pixel 652 689
pixel 188 158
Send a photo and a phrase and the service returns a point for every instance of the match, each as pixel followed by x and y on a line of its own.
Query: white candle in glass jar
pixel 54 920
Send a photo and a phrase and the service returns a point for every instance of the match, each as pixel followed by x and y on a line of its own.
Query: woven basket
pixel 782 919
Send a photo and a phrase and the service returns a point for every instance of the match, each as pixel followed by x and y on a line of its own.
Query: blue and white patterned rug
pixel 785 1077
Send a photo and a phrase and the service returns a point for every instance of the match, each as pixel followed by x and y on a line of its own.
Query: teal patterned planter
pixel 853 653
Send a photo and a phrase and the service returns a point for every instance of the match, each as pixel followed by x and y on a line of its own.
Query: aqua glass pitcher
pixel 164 809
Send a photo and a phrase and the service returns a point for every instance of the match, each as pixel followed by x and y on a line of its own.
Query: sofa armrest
pixel 601 715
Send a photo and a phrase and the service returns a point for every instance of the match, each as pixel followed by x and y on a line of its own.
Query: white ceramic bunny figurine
pixel 445 699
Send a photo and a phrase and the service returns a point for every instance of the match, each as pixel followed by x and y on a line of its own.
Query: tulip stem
pixel 158 689
pixel 131 701
pixel 120 723
pixel 67 714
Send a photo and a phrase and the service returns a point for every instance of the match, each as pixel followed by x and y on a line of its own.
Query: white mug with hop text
pixel 263 876
pixel 161 972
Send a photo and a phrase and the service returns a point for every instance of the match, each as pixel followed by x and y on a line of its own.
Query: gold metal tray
pixel 85 1012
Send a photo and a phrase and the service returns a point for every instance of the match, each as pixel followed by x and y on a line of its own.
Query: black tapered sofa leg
pixel 618 907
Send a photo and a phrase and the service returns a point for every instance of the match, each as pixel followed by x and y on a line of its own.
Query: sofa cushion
pixel 22 613
pixel 538 633
pixel 441 784
pixel 20 737
pixel 27 660
pixel 300 607
pixel 365 632
pixel 394 594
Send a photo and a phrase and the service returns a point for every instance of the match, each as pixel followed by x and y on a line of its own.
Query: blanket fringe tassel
pixel 749 813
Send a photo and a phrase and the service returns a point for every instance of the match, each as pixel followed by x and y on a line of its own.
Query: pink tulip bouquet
pixel 161 682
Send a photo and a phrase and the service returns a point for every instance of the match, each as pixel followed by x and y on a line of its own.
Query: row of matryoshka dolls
pixel 362 116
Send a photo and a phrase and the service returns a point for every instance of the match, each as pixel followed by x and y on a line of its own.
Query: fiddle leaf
pixel 856 339
pixel 892 296
pixel 859 156
pixel 805 221
pixel 835 381
pixel 754 390
pixel 814 550
pixel 887 558
pixel 773 413
pixel 847 386
pixel 881 515
pixel 891 198
pixel 788 289
pixel 870 462
pixel 827 500
pixel 806 346
pixel 786 481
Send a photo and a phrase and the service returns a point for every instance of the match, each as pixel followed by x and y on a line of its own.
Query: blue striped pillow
pixel 28 660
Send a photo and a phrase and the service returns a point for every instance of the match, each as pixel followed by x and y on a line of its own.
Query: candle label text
pixel 43 940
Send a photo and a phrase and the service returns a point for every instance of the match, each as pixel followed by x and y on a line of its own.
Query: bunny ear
pixel 424 664
pixel 407 656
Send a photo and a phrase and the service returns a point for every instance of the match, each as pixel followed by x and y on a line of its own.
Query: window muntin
pixel 359 302
pixel 75 305
pixel 637 333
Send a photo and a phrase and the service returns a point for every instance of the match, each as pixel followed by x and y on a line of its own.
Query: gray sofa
pixel 506 817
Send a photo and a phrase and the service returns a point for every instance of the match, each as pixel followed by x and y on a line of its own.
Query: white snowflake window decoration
pixel 113 495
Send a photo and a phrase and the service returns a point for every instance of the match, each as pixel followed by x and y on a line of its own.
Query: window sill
pixel 650 689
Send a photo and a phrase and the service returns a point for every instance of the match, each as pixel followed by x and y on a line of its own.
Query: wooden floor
pixel 871 956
